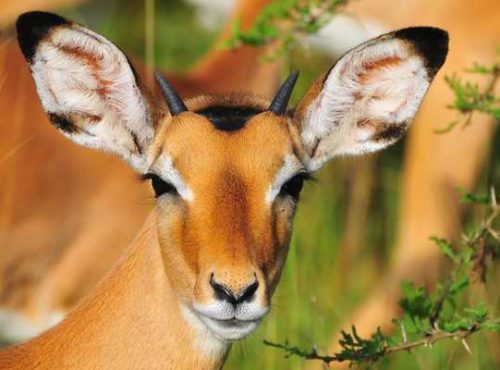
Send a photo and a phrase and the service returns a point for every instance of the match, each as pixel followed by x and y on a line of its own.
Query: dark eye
pixel 293 186
pixel 159 186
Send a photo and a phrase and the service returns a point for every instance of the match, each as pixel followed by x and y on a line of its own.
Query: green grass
pixel 316 292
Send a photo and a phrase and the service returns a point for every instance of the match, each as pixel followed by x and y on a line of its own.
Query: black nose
pixel 224 293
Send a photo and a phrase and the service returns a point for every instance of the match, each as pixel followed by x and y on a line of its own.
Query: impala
pixel 60 203
pixel 226 171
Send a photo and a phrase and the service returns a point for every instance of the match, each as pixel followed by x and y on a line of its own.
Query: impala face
pixel 227 171
pixel 225 224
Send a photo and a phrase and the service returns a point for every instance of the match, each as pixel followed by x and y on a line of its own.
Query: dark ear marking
pixel 136 143
pixel 390 132
pixel 430 42
pixel 62 123
pixel 34 26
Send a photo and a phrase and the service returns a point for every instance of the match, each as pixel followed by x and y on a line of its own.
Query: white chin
pixel 230 330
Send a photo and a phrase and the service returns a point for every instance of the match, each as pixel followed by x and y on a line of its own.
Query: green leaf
pixel 456 325
pixel 285 21
pixel 478 314
pixel 446 248
pixel 416 302
pixel 491 325
pixel 467 198
pixel 458 286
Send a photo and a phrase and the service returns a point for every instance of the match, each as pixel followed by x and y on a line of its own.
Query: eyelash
pixel 160 186
pixel 293 187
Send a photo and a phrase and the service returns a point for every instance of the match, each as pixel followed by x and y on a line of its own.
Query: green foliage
pixel 416 302
pixel 470 98
pixel 357 349
pixel 446 248
pixel 175 22
pixel 285 22
pixel 468 198
pixel 354 348
pixel 429 315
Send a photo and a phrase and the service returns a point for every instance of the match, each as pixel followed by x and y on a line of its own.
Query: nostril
pixel 222 292
pixel 248 293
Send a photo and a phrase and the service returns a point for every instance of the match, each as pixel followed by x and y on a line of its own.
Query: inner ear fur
pixel 88 87
pixel 367 100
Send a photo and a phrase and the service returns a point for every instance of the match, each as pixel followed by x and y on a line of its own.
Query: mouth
pixel 228 322
pixel 230 329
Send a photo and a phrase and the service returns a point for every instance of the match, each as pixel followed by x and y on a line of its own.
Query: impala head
pixel 227 171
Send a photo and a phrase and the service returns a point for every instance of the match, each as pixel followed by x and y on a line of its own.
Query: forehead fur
pixel 201 152
pixel 197 147
pixel 192 133
pixel 232 100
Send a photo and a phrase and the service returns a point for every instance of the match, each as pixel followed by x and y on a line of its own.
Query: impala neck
pixel 133 320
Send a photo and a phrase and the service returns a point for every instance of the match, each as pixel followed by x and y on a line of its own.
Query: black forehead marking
pixel 229 119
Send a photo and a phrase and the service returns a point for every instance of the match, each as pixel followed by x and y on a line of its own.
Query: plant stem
pixel 434 336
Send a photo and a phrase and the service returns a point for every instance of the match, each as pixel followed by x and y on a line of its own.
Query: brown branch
pixel 435 336
pixel 432 337
pixel 309 355
pixel 438 307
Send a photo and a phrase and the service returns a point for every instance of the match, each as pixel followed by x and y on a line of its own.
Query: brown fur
pixel 229 229
pixel 92 337
pixel 38 231
pixel 373 66
pixel 53 247
pixel 229 187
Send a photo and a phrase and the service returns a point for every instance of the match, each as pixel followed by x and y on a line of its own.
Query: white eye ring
pixel 164 168
pixel 290 168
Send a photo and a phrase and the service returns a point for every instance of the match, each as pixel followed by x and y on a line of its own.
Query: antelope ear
pixel 87 86
pixel 370 96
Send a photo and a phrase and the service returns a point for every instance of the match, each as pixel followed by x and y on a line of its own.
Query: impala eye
pixel 160 187
pixel 293 186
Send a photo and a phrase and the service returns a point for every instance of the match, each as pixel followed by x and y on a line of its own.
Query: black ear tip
pixel 32 27
pixel 430 42
pixel 36 20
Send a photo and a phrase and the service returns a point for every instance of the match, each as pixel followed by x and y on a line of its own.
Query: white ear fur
pixel 367 100
pixel 90 92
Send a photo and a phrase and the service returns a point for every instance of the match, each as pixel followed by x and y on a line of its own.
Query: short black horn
pixel 174 102
pixel 280 101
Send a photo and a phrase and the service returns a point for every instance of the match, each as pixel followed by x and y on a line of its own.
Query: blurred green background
pixel 321 282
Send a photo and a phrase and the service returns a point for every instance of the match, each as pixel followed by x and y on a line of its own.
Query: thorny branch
pixel 443 322
pixel 469 98
pixel 431 338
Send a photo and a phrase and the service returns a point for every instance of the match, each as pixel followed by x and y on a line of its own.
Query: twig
pixel 475 103
pixel 307 355
pixel 419 306
pixel 435 336
pixel 439 304
pixel 431 338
